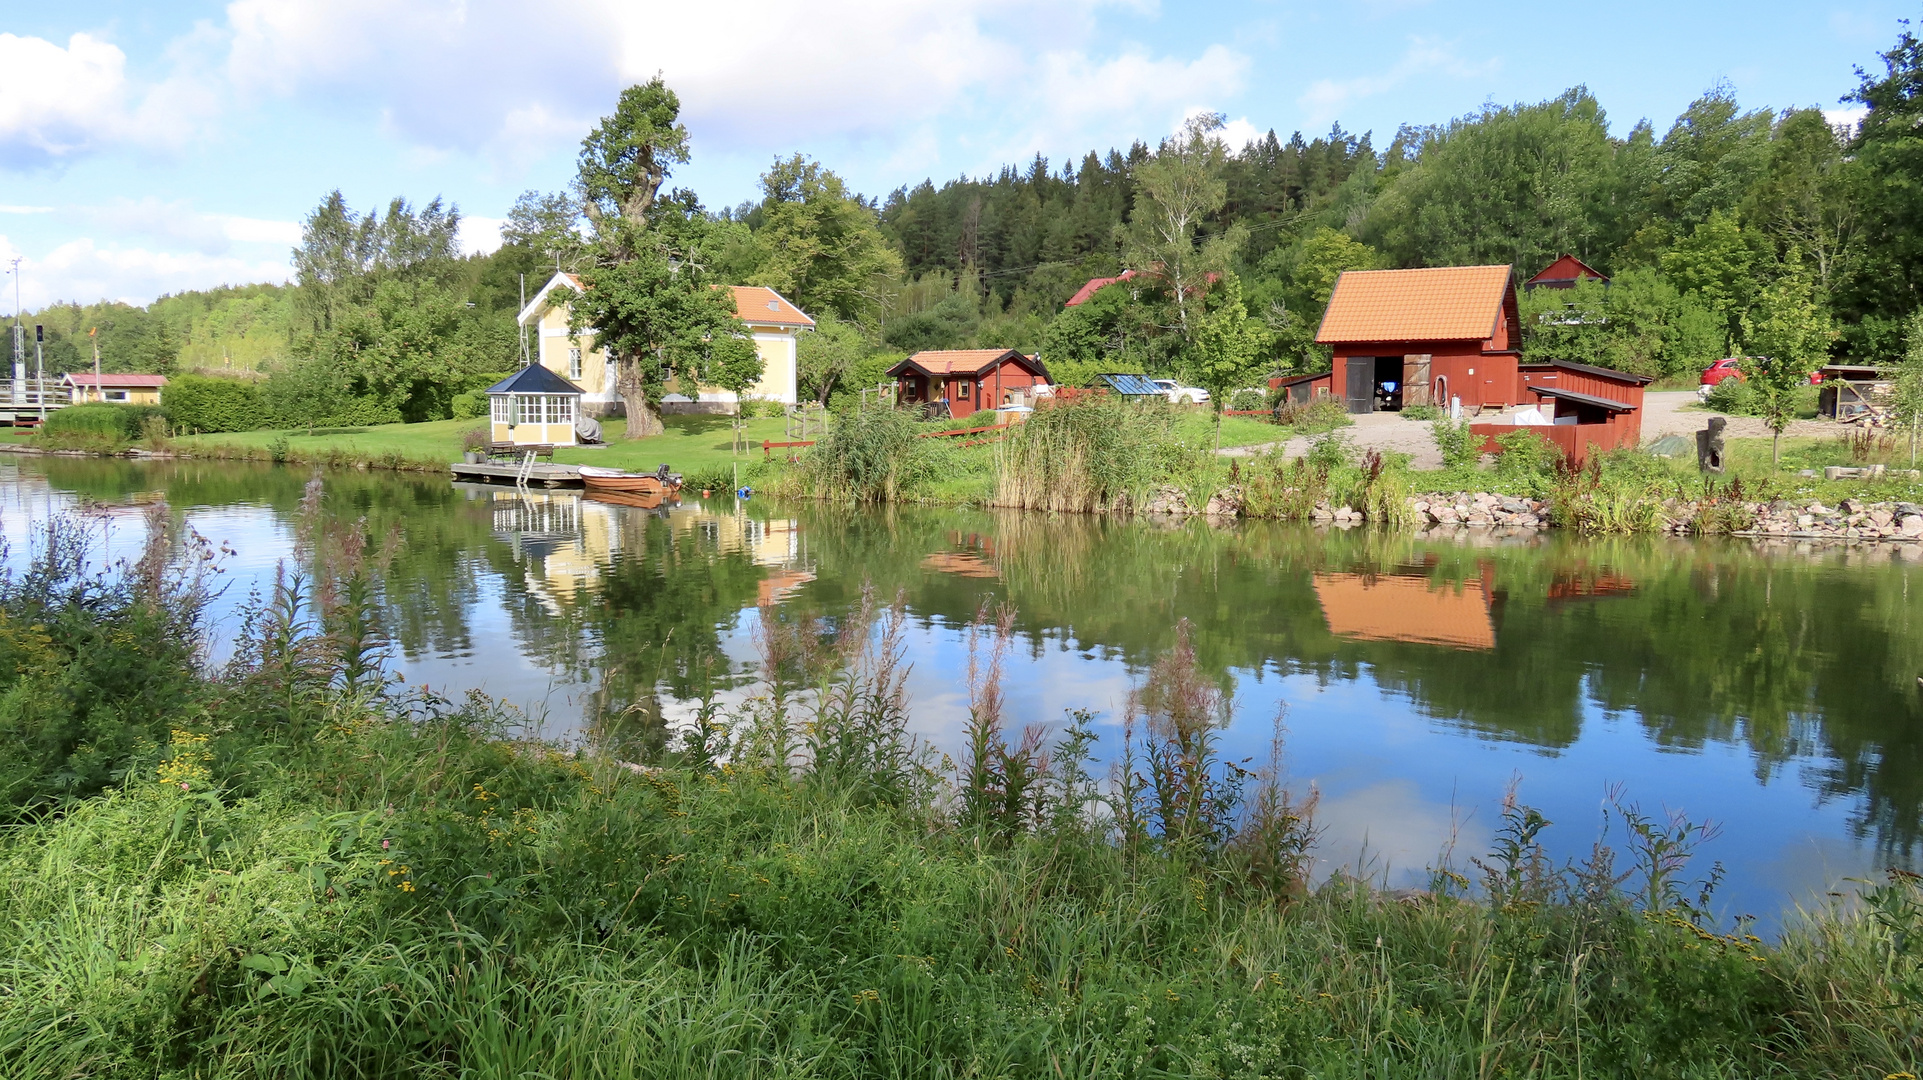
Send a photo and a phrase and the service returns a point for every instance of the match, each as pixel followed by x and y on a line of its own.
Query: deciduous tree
pixel 648 296
pixel 1176 193
pixel 1230 350
pixel 1790 331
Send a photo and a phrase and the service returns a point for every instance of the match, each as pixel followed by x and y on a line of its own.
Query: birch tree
pixel 1176 193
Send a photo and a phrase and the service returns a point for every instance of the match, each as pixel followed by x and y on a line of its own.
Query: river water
pixel 1774 693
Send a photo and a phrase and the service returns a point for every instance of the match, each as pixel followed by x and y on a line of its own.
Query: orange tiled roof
pixel 758 305
pixel 957 361
pixel 1444 303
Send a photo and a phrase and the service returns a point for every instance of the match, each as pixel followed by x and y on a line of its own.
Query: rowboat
pixel 595 478
pixel 641 500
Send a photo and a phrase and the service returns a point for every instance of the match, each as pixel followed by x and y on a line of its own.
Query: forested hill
pixel 1731 229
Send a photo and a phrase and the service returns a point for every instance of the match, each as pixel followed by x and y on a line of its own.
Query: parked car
pixel 1732 368
pixel 1182 395
pixel 1728 368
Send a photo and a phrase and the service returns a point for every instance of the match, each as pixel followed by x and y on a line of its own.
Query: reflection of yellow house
pixel 565 542
pixel 775 324
pixel 1407 607
pixel 767 542
pixel 122 389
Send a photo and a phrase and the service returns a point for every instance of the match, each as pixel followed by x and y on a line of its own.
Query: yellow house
pixel 122 389
pixel 532 407
pixel 775 324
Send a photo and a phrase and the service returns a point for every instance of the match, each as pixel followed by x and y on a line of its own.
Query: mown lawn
pixel 691 443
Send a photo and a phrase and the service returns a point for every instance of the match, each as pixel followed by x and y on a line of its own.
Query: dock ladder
pixel 526 470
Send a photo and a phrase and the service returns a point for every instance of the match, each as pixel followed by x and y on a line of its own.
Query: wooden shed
pixel 1443 335
pixel 533 407
pixel 1588 409
pixel 967 379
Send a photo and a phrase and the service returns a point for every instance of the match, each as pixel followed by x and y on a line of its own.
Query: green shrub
pixel 197 403
pixel 1421 412
pixel 1459 445
pixel 1736 397
pixel 1313 417
pixel 1526 464
pixel 876 456
pixel 93 669
pixel 1248 399
pixel 102 427
pixel 470 405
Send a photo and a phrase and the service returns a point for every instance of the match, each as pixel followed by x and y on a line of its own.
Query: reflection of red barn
pixel 1408 607
pixel 968 379
pixel 1564 273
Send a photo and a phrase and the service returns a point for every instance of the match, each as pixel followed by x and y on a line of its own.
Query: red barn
pixel 1432 336
pixel 1563 274
pixel 968 379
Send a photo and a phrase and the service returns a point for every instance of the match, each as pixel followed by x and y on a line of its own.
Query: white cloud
pixel 1846 117
pixel 85 271
pixel 478 236
pixel 178 223
pixel 58 102
pixel 490 76
pixel 6 209
pixel 1326 98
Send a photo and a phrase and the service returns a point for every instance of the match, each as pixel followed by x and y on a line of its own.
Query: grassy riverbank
pixel 285 869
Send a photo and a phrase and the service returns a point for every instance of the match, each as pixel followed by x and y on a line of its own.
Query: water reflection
pixel 1772 690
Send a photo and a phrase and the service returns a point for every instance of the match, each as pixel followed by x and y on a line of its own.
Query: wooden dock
pixel 544 474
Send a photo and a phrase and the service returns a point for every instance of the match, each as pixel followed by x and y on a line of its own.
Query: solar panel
pixel 1131 385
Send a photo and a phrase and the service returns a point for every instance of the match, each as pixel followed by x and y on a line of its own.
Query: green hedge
pixel 197 403
pixel 102 419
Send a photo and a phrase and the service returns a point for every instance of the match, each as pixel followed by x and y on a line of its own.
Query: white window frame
pixel 527 409
pixel 113 395
pixel 574 363
pixel 501 409
pixel 557 410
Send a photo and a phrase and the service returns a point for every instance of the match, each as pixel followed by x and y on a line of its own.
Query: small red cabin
pixel 968 379
pixel 1589 409
pixel 1441 335
pixel 1564 273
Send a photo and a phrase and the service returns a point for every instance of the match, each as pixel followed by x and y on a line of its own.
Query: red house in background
pixel 968 379
pixel 1563 274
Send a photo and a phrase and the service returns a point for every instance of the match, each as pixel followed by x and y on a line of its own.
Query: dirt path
pixel 1664 413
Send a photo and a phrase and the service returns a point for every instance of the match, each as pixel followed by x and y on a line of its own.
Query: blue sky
pixel 148 148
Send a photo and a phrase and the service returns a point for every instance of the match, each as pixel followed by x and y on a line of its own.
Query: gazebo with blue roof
pixel 533 407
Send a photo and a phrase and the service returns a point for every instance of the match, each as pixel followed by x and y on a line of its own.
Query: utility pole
pixel 93 335
pixel 521 331
pixel 19 341
pixel 40 367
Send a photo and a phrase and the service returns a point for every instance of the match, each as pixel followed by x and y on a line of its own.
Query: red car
pixel 1731 368
pixel 1722 369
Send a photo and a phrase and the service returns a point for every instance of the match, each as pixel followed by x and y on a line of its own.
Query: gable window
pixel 574 363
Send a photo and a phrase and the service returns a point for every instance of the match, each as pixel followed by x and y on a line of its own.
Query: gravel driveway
pixel 1664 413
